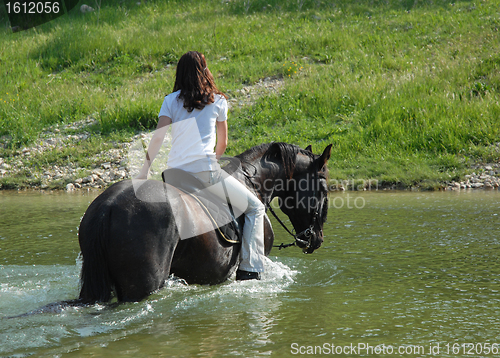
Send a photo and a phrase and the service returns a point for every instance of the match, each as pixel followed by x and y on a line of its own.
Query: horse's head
pixel 303 197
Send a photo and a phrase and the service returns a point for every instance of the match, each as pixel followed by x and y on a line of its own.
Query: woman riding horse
pixel 130 240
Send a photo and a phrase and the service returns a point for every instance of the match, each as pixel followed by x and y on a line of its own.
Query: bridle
pixel 307 234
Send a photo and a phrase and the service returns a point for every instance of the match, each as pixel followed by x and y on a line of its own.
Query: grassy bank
pixel 407 91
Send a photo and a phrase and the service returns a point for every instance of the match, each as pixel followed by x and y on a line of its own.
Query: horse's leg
pixel 205 259
pixel 208 259
pixel 141 258
pixel 268 236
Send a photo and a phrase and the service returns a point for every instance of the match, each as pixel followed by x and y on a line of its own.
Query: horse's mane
pixel 270 152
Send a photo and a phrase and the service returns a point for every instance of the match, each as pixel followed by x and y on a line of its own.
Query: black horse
pixel 131 246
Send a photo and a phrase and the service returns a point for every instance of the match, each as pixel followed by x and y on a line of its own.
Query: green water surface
pixel 398 270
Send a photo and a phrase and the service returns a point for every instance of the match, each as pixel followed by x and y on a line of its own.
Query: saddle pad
pixel 217 210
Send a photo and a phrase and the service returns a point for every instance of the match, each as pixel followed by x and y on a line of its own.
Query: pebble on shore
pixel 488 177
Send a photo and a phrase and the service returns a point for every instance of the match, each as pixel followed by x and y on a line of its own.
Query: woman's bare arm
pixel 220 148
pixel 154 145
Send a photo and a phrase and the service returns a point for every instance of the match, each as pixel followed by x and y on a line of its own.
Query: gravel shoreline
pixel 113 165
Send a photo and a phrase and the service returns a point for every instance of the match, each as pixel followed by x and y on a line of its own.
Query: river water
pixel 399 274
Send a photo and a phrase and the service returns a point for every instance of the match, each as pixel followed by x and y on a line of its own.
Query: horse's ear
pixel 309 148
pixel 323 159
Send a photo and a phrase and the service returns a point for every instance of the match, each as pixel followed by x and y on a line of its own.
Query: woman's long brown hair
pixel 195 81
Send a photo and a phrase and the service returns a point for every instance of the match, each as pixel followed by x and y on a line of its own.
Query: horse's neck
pixel 264 180
pixel 266 175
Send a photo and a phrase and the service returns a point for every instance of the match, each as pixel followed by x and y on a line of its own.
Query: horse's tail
pixel 55 307
pixel 95 279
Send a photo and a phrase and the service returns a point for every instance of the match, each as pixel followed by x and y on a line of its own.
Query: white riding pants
pixel 242 200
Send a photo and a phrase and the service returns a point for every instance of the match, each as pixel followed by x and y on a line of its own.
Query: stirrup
pixel 242 275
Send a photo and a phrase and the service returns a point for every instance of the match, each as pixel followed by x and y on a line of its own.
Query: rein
pixel 307 233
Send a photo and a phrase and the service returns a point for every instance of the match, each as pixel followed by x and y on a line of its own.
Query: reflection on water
pixel 406 269
pixel 41 228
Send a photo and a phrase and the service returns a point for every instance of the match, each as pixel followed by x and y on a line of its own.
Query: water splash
pixel 26 288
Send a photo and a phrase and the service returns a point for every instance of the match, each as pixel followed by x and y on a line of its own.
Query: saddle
pixel 219 211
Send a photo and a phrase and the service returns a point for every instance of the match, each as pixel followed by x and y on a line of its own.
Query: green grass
pixel 407 91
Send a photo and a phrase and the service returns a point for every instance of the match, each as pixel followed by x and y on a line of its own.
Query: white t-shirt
pixel 193 133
